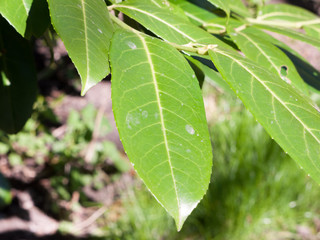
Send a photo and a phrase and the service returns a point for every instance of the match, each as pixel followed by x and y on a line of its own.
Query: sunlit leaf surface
pixel 160 116
pixel 16 12
pixel 86 30
pixel 166 25
pixel 269 56
pixel 289 117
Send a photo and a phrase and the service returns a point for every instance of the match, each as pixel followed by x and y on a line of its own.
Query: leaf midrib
pixel 280 14
pixel 272 93
pixel 155 83
pixel 25 6
pixel 262 51
pixel 157 18
pixel 86 38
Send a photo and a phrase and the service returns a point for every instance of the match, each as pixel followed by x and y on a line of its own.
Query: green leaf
pixel 269 56
pixel 16 13
pixel 288 117
pixel 5 194
pixel 238 7
pixel 283 18
pixel 308 73
pixel 203 18
pixel 197 15
pixel 18 85
pixel 211 76
pixel 160 116
pixel 86 30
pixel 38 20
pixel 168 6
pixel 313 30
pixel 284 13
pixel 291 33
pixel 222 4
pixel 166 25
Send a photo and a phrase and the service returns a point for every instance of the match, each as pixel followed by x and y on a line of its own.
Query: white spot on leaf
pixel 132 45
pixel 144 114
pixel 190 129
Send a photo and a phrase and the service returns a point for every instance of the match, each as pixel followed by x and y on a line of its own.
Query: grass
pixel 257 191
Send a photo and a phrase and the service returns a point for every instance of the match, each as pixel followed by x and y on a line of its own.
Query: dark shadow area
pixel 311 5
pixel 15 210
pixel 25 235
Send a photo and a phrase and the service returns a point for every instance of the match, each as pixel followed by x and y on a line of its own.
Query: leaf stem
pixel 190 47
pixel 195 48
pixel 240 28
pixel 121 23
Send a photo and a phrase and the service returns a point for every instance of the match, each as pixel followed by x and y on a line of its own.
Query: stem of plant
pixel 190 47
pixel 284 24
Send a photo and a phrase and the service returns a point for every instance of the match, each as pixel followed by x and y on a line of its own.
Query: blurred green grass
pixel 257 191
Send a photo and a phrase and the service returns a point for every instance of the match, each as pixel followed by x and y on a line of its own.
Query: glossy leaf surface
pixel 86 30
pixel 289 117
pixel 160 116
pixel 166 25
pixel 16 13
pixel 18 85
pixel 308 73
pixel 269 56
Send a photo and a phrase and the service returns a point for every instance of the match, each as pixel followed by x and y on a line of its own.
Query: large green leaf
pixel 160 116
pixel 166 25
pixel 86 30
pixel 288 117
pixel 269 56
pixel 308 73
pixel 18 86
pixel 16 12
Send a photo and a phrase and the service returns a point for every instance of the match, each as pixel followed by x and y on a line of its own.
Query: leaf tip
pixel 86 87
pixel 185 210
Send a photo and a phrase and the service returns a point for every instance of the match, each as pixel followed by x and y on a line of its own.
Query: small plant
pixel 156 52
